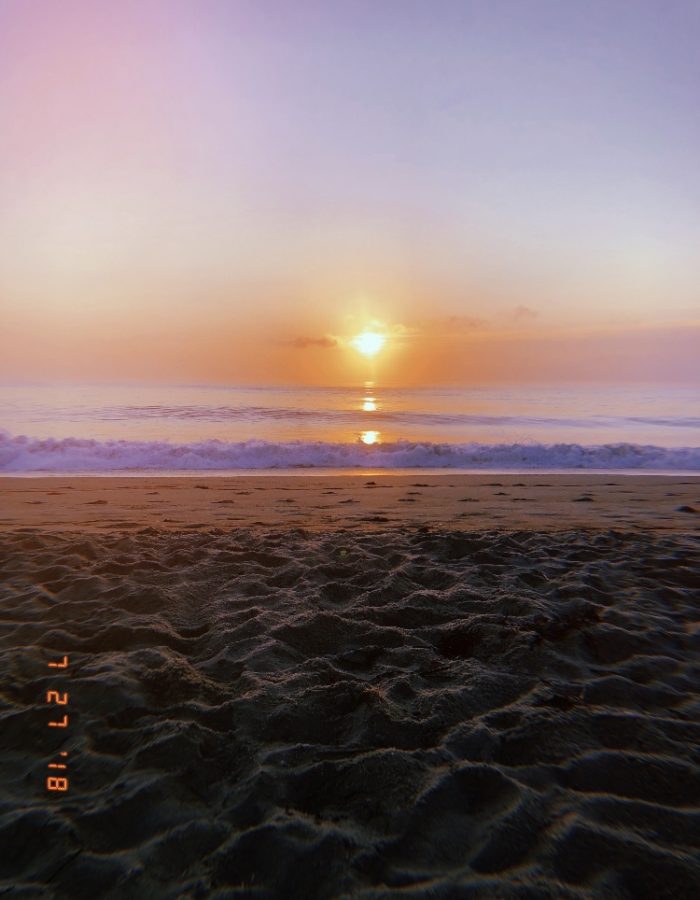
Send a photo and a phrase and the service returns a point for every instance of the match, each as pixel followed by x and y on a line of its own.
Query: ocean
pixel 102 429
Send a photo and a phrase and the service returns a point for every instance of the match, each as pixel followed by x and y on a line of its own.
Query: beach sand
pixel 367 686
pixel 535 502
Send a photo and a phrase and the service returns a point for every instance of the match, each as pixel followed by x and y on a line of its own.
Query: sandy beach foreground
pixel 354 686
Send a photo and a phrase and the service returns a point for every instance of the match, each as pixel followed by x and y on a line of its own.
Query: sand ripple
pixel 414 713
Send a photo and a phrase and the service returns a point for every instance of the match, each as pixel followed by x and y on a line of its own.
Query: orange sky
pixel 442 350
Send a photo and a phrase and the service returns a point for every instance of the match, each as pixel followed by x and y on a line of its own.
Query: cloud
pixel 524 313
pixel 463 323
pixel 304 342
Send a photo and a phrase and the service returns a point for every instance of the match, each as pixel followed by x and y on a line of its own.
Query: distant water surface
pixel 117 428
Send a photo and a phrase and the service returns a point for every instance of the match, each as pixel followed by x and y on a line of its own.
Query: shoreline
pixel 321 472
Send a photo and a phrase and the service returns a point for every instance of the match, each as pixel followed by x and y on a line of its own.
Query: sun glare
pixel 369 404
pixel 369 343
pixel 370 437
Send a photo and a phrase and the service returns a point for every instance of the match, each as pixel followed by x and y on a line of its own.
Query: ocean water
pixel 103 429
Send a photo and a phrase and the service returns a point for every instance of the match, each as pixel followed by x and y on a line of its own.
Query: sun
pixel 369 343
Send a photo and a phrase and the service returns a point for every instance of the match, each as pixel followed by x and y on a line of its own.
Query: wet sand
pixel 369 686
pixel 540 502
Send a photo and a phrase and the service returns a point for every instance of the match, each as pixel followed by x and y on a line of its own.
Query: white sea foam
pixel 22 454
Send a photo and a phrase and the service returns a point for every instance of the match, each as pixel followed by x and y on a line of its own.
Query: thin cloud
pixel 523 313
pixel 464 323
pixel 326 341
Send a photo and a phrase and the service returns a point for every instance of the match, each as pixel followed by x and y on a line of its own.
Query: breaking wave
pixel 27 454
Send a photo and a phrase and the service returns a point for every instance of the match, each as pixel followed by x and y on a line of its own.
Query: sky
pixel 226 191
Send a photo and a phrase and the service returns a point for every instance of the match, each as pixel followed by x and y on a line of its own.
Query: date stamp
pixel 58 779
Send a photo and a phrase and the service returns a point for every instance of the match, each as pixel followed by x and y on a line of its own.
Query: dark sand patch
pixel 353 713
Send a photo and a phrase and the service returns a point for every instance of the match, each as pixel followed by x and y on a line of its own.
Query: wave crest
pixel 71 455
